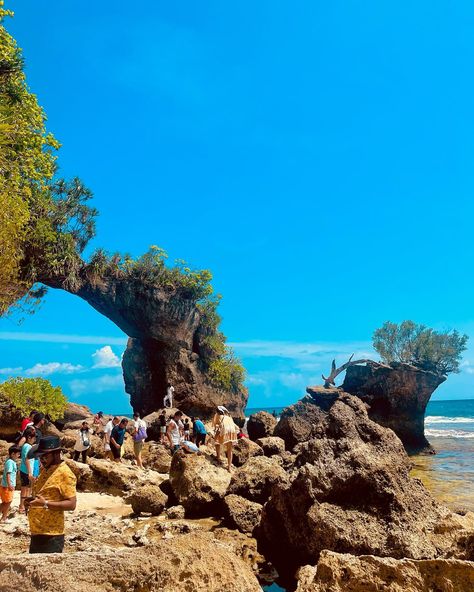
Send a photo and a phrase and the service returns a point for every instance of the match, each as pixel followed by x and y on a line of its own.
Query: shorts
pixel 6 495
pixel 24 479
pixel 138 447
pixel 162 429
pixel 46 543
pixel 116 452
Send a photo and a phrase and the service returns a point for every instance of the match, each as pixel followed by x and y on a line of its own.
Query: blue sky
pixel 316 157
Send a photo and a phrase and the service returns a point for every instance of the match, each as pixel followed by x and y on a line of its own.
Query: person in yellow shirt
pixel 54 492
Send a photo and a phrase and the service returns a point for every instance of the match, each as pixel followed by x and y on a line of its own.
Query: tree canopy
pixel 421 346
pixel 26 394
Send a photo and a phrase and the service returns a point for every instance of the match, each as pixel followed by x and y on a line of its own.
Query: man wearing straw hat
pixel 54 492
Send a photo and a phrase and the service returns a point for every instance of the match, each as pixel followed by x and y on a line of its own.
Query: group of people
pixel 48 485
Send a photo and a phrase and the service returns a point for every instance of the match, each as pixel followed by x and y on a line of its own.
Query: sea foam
pixel 431 419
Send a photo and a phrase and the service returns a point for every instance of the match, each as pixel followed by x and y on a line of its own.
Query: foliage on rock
pixel 421 346
pixel 26 394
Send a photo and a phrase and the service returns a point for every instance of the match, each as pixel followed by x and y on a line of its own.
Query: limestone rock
pixel 148 498
pixel 119 478
pixel 245 449
pixel 10 423
pixel 350 490
pixel 346 573
pixel 261 425
pixel 198 484
pixel 242 513
pixel 74 413
pixel 272 445
pixel 82 472
pixel 256 477
pixel 397 396
pixel 158 458
pixel 175 512
pixel 195 561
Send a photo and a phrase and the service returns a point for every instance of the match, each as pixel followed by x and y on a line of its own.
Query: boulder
pixel 119 478
pixel 148 498
pixel 198 484
pixel 175 513
pixel 254 480
pixel 74 413
pixel 261 425
pixel 245 449
pixel 82 472
pixel 397 396
pixel 272 445
pixel 337 572
pixel 10 422
pixel 158 458
pixel 195 561
pixel 242 513
pixel 350 490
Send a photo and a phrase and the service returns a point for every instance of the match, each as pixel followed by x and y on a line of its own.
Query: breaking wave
pixel 432 419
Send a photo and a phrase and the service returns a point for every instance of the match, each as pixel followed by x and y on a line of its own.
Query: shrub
pixel 25 394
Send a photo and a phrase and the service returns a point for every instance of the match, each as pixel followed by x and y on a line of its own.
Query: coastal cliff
pixel 397 396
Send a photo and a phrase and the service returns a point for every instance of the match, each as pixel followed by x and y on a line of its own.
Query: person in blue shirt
pixel 8 481
pixel 27 467
pixel 200 432
pixel 116 439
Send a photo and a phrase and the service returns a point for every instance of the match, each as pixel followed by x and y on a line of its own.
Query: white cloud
pixel 61 338
pixel 9 371
pixel 105 358
pixel 109 382
pixel 53 368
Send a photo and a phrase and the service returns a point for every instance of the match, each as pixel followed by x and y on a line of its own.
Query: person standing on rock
pixel 168 400
pixel 54 492
pixel 162 420
pixel 200 432
pixel 225 433
pixel 139 437
pixel 107 432
pixel 8 485
pixel 83 442
pixel 174 431
pixel 27 467
pixel 117 438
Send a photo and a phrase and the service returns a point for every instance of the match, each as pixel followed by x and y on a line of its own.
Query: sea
pixel 448 474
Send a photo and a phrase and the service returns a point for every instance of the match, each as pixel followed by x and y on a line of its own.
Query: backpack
pixel 141 434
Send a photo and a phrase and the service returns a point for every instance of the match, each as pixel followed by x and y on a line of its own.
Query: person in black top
pixel 162 420
pixel 116 439
pixel 38 422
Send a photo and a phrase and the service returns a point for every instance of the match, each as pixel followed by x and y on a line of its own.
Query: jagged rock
pixel 351 493
pixel 198 484
pixel 150 364
pixel 148 499
pixel 82 472
pixel 195 561
pixel 4 446
pixel 242 513
pixel 175 512
pixel 261 425
pixel 256 477
pixel 119 478
pixel 158 458
pixel 272 445
pixel 10 422
pixel 397 396
pixel 242 545
pixel 245 449
pixel 74 413
pixel 346 573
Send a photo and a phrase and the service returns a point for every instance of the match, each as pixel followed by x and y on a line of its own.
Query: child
pixel 8 481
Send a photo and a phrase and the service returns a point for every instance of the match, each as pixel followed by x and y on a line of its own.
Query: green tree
pixel 421 346
pixel 25 394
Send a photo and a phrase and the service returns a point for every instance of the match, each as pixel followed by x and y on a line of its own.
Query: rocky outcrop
pixel 158 458
pixel 242 513
pixel 397 396
pixel 261 425
pixel 337 572
pixel 198 484
pixel 74 413
pixel 254 479
pixel 272 445
pixel 180 563
pixel 245 449
pixel 350 490
pixel 118 478
pixel 149 365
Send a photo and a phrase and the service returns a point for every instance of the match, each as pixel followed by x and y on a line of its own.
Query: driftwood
pixel 329 381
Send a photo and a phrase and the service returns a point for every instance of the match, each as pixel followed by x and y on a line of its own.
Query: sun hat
pixel 46 444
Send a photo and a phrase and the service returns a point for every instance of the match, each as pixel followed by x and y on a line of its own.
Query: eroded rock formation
pixel 397 396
